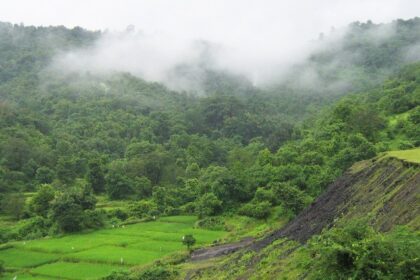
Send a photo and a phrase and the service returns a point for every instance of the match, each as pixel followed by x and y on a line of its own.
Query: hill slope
pixel 383 192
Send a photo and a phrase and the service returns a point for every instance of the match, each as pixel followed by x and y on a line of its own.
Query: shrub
pixel 208 205
pixel 119 214
pixel 356 251
pixel 258 210
pixel 290 196
pixel 212 223
pixel 93 218
pixel 188 240
pixel 33 228
pixel 143 208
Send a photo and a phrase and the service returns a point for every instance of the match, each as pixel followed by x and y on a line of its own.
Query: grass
pixel 407 155
pixel 24 276
pixel 117 255
pixel 95 254
pixel 179 219
pixel 76 270
pixel 71 243
pixel 161 246
pixel 18 258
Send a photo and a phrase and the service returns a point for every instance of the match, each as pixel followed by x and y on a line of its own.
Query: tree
pixel 44 175
pixel 118 186
pixel 84 195
pixel 14 204
pixel 142 187
pixel 16 152
pixel 192 170
pixel 96 177
pixel 66 169
pixel 208 205
pixel 41 202
pixel 67 213
pixel 188 240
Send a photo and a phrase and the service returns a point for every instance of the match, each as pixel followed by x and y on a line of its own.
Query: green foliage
pixel 41 201
pixel 158 272
pixel 118 185
pixel 96 177
pixel 212 223
pixel 236 148
pixel 188 240
pixel 73 209
pixel 44 175
pixel 67 213
pixel 208 205
pixel 290 196
pixel 356 251
pixel 13 204
pixel 143 208
pixel 258 210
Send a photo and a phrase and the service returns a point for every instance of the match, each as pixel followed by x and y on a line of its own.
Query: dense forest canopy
pixel 237 148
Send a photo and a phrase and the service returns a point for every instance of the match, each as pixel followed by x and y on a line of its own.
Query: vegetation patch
pixel 412 155
pixel 18 258
pixel 117 255
pixel 70 270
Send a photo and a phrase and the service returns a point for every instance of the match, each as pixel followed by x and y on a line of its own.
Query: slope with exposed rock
pixel 384 190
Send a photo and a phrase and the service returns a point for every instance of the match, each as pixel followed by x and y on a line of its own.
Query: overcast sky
pixel 218 20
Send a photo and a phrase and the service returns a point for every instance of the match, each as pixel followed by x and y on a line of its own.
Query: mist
pixel 178 63
pixel 260 41
pixel 182 64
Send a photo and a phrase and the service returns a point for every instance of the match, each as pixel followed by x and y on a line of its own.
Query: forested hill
pixel 357 59
pixel 69 135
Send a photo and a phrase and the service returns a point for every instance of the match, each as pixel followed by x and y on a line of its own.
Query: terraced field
pixel 97 254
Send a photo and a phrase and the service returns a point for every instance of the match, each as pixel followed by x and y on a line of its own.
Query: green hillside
pixel 101 175
pixel 331 239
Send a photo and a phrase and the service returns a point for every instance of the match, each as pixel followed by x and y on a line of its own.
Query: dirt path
pixel 219 250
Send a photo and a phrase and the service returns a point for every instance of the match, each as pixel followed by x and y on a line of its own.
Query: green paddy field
pixel 97 254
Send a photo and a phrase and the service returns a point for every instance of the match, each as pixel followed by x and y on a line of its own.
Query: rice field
pixel 96 254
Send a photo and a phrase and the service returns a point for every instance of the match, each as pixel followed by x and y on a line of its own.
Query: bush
pixel 33 228
pixel 172 211
pixel 212 223
pixel 258 210
pixel 119 214
pixel 188 208
pixel 142 209
pixel 264 195
pixel 155 272
pixel 41 202
pixel 290 197
pixel 189 241
pixel 358 252
pixel 93 218
pixel 208 205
